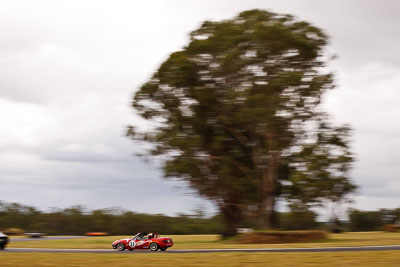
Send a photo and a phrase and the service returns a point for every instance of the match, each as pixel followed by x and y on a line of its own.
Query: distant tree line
pixel 372 220
pixel 77 220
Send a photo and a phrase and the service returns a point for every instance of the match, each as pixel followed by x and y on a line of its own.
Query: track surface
pixel 327 249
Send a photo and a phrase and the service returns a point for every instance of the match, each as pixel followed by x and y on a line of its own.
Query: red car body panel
pixel 135 243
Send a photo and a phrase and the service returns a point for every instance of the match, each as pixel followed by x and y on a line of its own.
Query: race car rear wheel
pixel 153 247
pixel 120 247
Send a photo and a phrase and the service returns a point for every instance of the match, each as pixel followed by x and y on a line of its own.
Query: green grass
pixel 213 241
pixel 306 259
pixel 328 259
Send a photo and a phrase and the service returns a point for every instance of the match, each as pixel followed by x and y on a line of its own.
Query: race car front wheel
pixel 120 247
pixel 153 246
pixel 163 249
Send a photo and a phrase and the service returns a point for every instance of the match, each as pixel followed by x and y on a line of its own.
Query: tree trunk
pixel 268 191
pixel 232 218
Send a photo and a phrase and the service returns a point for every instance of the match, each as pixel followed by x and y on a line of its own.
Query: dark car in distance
pixel 3 240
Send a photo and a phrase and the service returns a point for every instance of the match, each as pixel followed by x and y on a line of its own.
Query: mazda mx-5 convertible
pixel 151 241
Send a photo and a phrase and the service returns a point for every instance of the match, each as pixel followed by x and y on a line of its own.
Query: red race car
pixel 150 241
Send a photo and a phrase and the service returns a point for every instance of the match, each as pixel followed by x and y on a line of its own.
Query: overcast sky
pixel 68 70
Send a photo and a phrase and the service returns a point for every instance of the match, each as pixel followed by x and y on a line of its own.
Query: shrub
pixel 299 218
pixel 274 237
pixel 365 220
pixel 14 231
pixel 392 228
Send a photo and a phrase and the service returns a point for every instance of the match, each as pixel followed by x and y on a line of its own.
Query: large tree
pixel 236 113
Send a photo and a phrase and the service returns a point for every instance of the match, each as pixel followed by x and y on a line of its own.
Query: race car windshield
pixel 140 236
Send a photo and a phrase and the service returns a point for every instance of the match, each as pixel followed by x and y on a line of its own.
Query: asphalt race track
pixel 326 249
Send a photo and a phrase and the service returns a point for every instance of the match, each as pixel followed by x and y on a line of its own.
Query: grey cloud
pixel 68 71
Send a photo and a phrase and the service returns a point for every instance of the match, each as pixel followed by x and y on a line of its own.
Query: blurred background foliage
pixel 77 221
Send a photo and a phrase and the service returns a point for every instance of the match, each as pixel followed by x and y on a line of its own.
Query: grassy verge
pixel 331 259
pixel 279 237
pixel 213 241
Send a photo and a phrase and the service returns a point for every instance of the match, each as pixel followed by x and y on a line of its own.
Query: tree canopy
pixel 236 114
